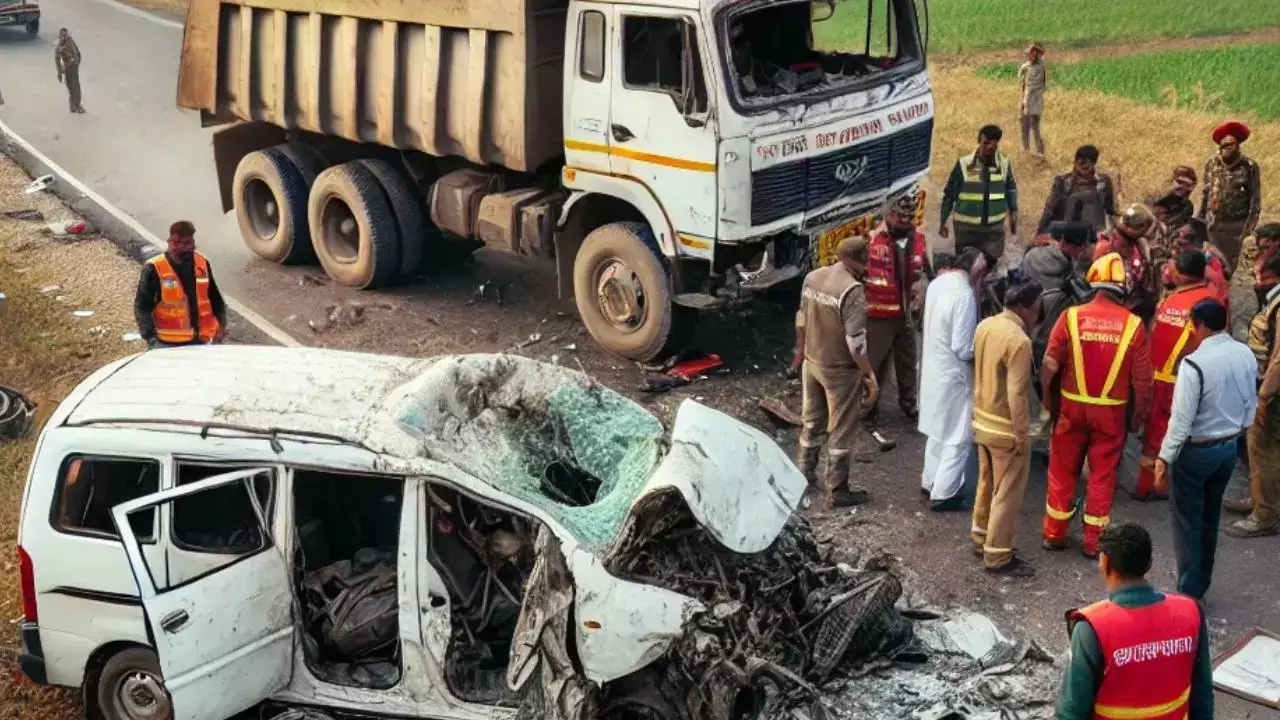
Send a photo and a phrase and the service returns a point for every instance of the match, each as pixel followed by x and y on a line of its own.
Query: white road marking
pixel 130 10
pixel 251 317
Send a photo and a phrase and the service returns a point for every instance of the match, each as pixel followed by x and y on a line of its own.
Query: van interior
pixel 347 532
pixel 485 555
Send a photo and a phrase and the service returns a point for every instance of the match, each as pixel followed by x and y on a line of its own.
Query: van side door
pixel 225 638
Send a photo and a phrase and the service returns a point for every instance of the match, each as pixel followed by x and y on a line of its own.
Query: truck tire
pixel 271 207
pixel 309 161
pixel 409 219
pixel 33 27
pixel 623 292
pixel 132 688
pixel 352 227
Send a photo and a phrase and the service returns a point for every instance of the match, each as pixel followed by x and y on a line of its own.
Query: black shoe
pixel 1054 545
pixel 844 497
pixel 1017 568
pixel 951 504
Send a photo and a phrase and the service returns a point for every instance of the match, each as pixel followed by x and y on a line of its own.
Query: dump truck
pixel 21 12
pixel 665 157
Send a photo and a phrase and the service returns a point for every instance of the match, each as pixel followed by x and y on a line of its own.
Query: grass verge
pixel 1215 79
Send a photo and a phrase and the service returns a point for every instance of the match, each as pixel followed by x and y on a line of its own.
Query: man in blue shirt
pixel 1214 401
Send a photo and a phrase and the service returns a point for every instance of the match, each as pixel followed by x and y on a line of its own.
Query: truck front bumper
pixel 31 655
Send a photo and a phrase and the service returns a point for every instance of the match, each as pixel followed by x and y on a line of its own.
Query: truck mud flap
pixel 232 143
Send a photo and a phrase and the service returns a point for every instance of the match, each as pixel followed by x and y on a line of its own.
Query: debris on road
pixel 66 227
pixel 662 384
pixel 533 339
pixel 131 337
pixel 82 313
pixel 46 289
pixel 28 214
pixel 692 368
pixel 484 291
pixel 40 184
pixel 1251 669
pixel 885 443
pixel 16 413
pixel 779 412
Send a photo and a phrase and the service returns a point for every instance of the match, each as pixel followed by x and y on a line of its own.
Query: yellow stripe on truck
pixel 651 158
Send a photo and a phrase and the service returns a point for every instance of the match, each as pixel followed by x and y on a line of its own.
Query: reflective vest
pixel 1172 330
pixel 884 294
pixel 982 198
pixel 1100 334
pixel 1147 657
pixel 1262 334
pixel 172 314
pixel 825 291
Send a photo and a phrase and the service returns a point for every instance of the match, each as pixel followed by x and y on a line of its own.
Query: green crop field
pixel 967 25
pixel 1227 77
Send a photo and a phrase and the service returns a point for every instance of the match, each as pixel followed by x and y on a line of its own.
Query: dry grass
pixel 1140 144
pixel 45 352
pixel 173 8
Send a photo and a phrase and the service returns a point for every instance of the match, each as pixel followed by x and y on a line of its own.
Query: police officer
pixel 831 337
pixel 178 303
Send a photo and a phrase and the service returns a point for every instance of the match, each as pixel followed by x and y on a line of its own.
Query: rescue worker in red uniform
pixel 1140 653
pixel 177 302
pixel 1127 239
pixel 1193 236
pixel 898 266
pixel 1096 352
pixel 1172 338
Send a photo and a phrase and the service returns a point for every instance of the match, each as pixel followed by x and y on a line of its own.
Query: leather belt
pixel 1212 442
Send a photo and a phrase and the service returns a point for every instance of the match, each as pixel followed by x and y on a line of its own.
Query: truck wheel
pixel 623 292
pixel 309 161
pixel 132 688
pixel 404 205
pixel 33 27
pixel 352 227
pixel 271 207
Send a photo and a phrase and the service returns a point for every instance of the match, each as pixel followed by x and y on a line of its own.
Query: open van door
pixel 225 638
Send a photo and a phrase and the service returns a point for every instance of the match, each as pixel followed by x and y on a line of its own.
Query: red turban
pixel 1237 130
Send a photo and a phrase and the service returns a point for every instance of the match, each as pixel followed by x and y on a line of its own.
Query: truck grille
pixel 808 184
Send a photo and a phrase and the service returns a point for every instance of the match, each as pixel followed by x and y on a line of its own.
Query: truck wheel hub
pixel 621 296
pixel 142 697
pixel 263 210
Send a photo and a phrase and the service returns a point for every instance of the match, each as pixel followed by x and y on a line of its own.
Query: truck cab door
pixel 661 121
pixel 224 638
pixel 588 86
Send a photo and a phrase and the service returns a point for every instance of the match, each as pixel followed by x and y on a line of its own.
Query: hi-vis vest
pixel 1101 334
pixel 982 202
pixel 1262 334
pixel 1172 329
pixel 172 314
pixel 884 296
pixel 1147 657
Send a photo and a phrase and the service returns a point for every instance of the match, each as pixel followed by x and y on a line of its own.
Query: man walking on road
pixel 1232 197
pixel 831 335
pixel 66 55
pixel 178 302
pixel 1173 337
pixel 1112 672
pixel 1032 80
pixel 1002 427
pixel 982 194
pixel 898 267
pixel 1082 194
pixel 1097 352
pixel 1213 403
pixel 946 388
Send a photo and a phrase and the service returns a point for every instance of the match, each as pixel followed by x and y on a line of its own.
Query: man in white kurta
pixel 946 378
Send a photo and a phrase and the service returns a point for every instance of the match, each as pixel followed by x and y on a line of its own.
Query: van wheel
pixel 623 293
pixel 131 687
pixel 411 226
pixel 271 207
pixel 352 227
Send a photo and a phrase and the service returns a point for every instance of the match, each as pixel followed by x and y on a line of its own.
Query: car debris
pixel 40 184
pixel 26 214
pixel 695 367
pixel 779 412
pixel 16 413
pixel 82 313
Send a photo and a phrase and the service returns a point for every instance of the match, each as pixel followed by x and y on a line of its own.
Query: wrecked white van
pixel 322 534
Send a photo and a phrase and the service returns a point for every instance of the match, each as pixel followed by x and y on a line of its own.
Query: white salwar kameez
pixel 946 383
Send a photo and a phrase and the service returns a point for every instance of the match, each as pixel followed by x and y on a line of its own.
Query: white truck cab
pixel 206 530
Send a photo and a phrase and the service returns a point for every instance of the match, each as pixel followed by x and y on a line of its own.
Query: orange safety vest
pixel 1172 330
pixel 1101 333
pixel 884 296
pixel 172 314
pixel 1147 657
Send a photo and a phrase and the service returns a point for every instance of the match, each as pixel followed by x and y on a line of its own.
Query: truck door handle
pixel 174 621
pixel 621 133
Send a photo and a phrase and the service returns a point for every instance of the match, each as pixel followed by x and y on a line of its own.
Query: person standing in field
pixel 1032 79
pixel 1082 194
pixel 66 55
pixel 1231 200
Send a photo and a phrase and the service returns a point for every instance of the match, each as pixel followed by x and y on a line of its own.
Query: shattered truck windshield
pixel 778 51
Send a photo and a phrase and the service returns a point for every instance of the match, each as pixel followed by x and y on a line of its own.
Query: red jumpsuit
pixel 1171 340
pixel 1213 275
pixel 1101 350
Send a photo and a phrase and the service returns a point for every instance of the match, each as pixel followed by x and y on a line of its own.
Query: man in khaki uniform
pixel 1002 427
pixel 831 334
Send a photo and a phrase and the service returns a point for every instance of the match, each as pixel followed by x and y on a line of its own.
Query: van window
pixel 661 54
pixel 88 487
pixel 220 521
pixel 591 62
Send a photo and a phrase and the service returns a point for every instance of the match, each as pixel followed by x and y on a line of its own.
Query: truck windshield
pixel 776 51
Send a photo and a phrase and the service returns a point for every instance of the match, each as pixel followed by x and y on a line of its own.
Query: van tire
pixel 270 197
pixel 410 222
pixel 353 228
pixel 133 669
pixel 647 325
